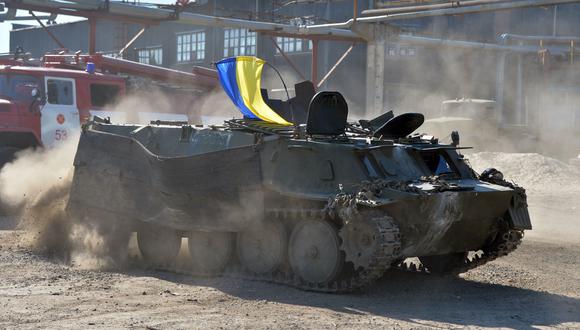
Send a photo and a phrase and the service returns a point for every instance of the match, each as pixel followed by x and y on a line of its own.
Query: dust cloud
pixel 153 103
pixel 552 187
pixel 36 185
pixel 545 121
pixel 28 179
pixel 539 174
pixel 532 147
pixel 214 108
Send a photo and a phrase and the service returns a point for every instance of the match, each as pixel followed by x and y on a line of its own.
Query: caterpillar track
pixel 383 258
pixel 505 243
pixel 385 252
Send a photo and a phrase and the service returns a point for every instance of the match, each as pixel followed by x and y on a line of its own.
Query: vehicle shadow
pixel 416 298
pixel 8 223
pixel 9 216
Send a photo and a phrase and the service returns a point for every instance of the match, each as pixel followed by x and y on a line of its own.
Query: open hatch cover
pixel 400 126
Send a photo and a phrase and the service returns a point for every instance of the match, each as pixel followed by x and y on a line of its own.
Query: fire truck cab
pixel 42 106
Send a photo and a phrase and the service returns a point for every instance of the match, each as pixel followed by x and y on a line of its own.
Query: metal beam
pixel 201 77
pixel 92 35
pixel 129 12
pixel 417 8
pixel 329 73
pixel 122 51
pixel 47 31
pixel 126 11
pixel 27 18
pixel 314 64
pixel 56 9
pixel 559 39
pixel 435 42
pixel 287 58
pixel 442 12
pixel 328 37
pixel 503 5
pixel 10 15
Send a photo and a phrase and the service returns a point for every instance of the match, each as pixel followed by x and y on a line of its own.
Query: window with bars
pixel 239 42
pixel 396 50
pixel 191 46
pixel 150 55
pixel 293 45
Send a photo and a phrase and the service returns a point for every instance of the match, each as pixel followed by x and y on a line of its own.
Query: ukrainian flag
pixel 240 78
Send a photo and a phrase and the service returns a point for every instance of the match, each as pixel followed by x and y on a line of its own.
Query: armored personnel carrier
pixel 318 203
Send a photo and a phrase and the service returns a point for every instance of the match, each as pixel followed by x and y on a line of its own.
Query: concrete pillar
pixel 375 71
pixel 499 86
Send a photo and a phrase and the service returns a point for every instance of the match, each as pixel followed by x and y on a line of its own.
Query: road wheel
pixel 314 253
pixel 158 245
pixel 210 251
pixel 262 250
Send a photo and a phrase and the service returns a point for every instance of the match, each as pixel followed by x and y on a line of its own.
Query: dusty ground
pixel 537 286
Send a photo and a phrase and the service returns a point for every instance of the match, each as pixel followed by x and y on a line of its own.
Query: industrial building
pixel 398 72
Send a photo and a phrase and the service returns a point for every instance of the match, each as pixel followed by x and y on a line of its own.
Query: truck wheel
pixel 7 155
pixel 159 245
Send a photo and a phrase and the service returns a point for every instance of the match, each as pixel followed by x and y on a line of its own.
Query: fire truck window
pixel 103 94
pixel 59 91
pixel 18 87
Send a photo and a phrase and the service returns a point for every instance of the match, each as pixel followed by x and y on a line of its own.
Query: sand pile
pixel 533 171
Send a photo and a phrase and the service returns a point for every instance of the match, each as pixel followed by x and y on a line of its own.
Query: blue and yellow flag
pixel 240 78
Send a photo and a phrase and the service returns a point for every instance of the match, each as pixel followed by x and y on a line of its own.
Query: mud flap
pixel 518 212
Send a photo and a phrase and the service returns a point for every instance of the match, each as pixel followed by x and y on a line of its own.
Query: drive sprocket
pixel 372 244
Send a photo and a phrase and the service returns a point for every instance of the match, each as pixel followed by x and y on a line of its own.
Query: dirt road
pixel 537 286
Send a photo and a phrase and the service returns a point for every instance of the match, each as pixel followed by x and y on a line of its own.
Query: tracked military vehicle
pixel 316 202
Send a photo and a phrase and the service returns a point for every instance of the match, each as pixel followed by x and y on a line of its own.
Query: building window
pixel 293 45
pixel 396 50
pixel 151 55
pixel 239 42
pixel 191 46
pixel 407 51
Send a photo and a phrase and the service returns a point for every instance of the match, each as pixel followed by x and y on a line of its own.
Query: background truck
pixel 43 105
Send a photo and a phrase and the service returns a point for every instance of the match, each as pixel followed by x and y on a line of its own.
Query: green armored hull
pixel 325 206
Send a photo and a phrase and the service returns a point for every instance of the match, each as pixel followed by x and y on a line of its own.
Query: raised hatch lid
pixel 400 126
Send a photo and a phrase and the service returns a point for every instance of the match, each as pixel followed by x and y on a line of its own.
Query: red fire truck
pixel 44 105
